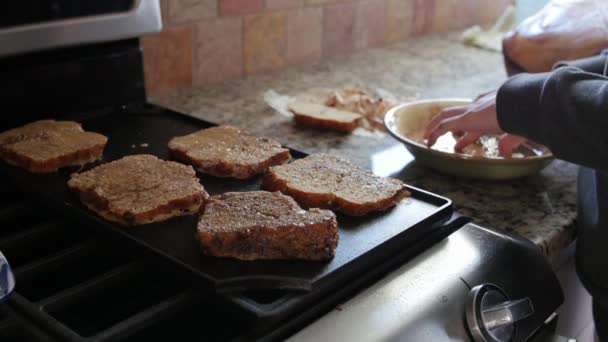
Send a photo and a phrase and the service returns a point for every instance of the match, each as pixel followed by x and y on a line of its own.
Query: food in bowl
pixel 415 124
pixel 486 146
pixel 408 123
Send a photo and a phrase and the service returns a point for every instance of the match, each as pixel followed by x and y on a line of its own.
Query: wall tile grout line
pixel 357 25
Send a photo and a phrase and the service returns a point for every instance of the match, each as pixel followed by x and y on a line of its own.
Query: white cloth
pixel 491 39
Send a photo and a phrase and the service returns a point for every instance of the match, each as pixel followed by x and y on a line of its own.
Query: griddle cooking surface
pixel 364 241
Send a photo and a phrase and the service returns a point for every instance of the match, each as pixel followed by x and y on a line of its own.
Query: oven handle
pixel 7 279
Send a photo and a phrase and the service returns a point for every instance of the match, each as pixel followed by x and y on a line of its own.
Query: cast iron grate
pixel 14 330
pixel 81 281
pixel 80 285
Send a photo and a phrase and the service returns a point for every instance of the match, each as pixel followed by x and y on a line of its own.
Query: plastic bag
pixel 562 30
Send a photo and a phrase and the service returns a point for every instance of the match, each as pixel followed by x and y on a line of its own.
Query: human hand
pixel 468 123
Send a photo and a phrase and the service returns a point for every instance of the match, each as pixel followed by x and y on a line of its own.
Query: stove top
pixel 40 246
pixel 80 279
pixel 76 284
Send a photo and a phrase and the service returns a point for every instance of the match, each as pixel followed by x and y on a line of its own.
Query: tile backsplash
pixel 206 41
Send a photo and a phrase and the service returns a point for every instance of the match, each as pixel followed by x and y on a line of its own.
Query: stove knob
pixel 491 315
pixel 7 279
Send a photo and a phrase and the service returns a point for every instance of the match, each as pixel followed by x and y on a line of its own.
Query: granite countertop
pixel 541 208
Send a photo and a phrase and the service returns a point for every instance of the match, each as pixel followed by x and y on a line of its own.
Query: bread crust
pixel 324 117
pixel 222 160
pixel 76 158
pixel 103 190
pixel 183 206
pixel 340 126
pixel 45 146
pixel 224 169
pixel 329 196
pixel 286 233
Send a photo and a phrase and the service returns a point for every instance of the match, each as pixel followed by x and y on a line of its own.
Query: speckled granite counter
pixel 540 208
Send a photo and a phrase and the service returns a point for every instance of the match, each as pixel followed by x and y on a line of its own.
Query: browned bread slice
pixel 330 182
pixel 47 145
pixel 226 151
pixel 139 189
pixel 265 225
pixel 321 116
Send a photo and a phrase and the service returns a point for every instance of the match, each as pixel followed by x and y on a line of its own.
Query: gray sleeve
pixel 565 110
pixel 595 65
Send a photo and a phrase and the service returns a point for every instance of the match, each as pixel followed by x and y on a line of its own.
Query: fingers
pixel 508 142
pixel 479 116
pixel 467 139
pixel 444 114
pixel 479 97
pixel 484 94
pixel 458 134
pixel 453 124
pixel 439 130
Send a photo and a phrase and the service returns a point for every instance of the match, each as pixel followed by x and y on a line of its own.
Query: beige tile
pixel 283 4
pixel 322 2
pixel 240 7
pixel 399 19
pixel 265 41
pixel 164 12
pixel 490 11
pixel 181 11
pixel 423 17
pixel 339 29
pixel 370 24
pixel 168 59
pixel 466 13
pixel 304 35
pixel 443 19
pixel 218 52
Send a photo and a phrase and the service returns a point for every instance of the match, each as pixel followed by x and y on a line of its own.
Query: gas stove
pixel 79 284
pixel 420 272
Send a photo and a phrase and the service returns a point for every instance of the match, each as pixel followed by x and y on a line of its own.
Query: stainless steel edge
pixel 143 18
pixel 425 299
pixel 472 313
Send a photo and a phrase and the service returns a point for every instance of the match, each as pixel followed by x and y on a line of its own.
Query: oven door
pixel 32 25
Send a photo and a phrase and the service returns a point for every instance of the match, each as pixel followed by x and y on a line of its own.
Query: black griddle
pixel 365 242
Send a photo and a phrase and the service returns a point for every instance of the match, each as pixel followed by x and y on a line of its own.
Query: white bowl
pixel 408 122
